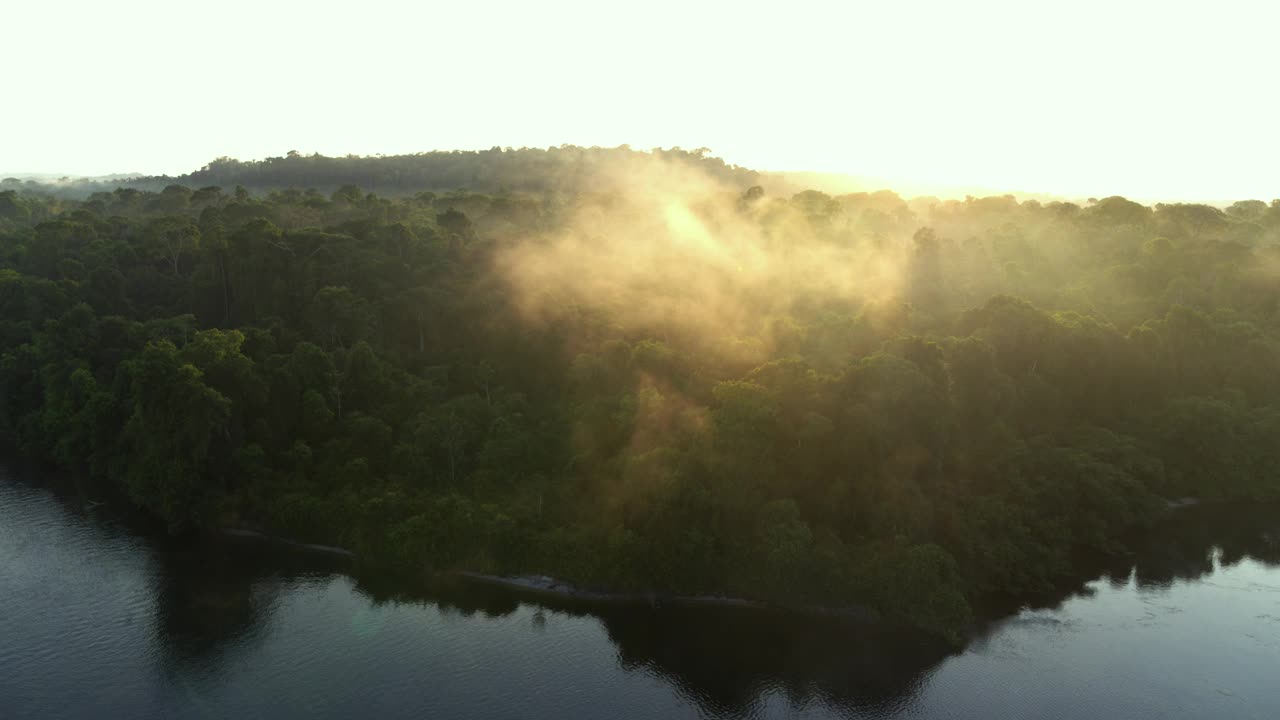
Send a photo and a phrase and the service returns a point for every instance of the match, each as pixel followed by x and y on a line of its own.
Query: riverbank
pixel 254 534
pixel 549 586
pixel 546 586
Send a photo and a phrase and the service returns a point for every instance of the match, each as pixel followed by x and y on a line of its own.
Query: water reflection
pixel 1185 550
pixel 726 659
pixel 220 606
pixel 213 598
pixel 722 659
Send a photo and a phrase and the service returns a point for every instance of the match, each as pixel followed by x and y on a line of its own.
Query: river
pixel 101 620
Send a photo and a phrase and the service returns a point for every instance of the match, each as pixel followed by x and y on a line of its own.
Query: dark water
pixel 100 621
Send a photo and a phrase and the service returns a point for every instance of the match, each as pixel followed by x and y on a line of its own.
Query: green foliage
pixel 917 584
pixel 170 463
pixel 353 369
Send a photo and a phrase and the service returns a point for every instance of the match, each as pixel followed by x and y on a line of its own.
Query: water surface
pixel 99 619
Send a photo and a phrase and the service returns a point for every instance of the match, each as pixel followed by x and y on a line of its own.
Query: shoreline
pixel 256 535
pixel 547 586
pixel 551 587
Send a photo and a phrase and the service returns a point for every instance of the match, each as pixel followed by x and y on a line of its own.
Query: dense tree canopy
pixel 914 405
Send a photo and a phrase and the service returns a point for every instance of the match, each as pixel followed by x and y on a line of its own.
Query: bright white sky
pixel 1146 99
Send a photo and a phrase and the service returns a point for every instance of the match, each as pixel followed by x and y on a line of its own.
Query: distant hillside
pixel 564 169
pixel 568 169
pixel 559 169
pixel 74 186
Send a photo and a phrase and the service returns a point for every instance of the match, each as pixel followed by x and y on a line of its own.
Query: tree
pixel 172 237
pixel 176 423
pixel 340 316
pixel 13 207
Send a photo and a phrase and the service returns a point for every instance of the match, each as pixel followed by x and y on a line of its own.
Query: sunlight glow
pixel 1150 100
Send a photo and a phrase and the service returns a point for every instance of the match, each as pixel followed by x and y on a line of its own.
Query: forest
pixel 567 168
pixel 646 371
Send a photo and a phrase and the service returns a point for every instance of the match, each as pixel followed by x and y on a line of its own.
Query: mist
pixel 649 371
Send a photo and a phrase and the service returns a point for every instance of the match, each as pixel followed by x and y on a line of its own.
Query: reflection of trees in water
pixel 1183 547
pixel 210 598
pixel 464 599
pixel 213 599
pixel 213 602
pixel 725 659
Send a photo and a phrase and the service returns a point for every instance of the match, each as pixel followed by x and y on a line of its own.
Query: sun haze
pixel 1149 100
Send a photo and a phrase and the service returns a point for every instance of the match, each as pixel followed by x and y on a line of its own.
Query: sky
pixel 1144 99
